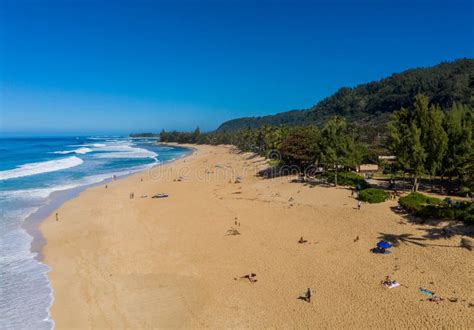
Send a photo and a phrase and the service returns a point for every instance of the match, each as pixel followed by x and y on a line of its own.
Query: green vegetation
pixel 338 146
pixel 430 207
pixel 369 106
pixel 350 179
pixel 180 137
pixel 431 134
pixel 458 160
pixel 426 141
pixel 373 195
pixel 335 146
pixel 300 147
pixel 416 201
pixel 144 135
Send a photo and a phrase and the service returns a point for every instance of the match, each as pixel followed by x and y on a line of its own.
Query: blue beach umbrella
pixel 384 245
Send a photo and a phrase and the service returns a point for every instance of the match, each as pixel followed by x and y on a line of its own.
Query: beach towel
pixel 384 245
pixel 426 292
pixel 393 285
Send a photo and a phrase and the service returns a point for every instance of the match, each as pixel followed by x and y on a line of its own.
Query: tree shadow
pixel 439 228
pixel 273 172
pixel 315 182
pixel 396 240
pixel 438 186
pixel 431 234
pixel 251 156
pixel 466 244
pixel 411 218
pixel 448 231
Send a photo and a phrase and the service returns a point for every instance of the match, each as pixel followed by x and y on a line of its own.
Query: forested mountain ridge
pixel 372 103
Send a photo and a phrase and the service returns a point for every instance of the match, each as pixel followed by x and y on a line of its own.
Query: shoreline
pixel 143 262
pixel 33 221
pixel 31 224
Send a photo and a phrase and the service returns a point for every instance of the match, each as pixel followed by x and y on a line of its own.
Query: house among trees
pixel 367 168
pixel 388 158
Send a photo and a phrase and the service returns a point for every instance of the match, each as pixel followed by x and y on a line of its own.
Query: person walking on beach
pixel 57 217
pixel 359 203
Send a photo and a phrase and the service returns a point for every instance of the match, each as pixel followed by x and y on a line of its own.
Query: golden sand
pixel 152 263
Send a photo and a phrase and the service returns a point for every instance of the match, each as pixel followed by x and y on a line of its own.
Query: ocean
pixel 36 173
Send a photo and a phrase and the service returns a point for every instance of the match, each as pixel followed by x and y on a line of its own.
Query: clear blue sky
pixel 128 66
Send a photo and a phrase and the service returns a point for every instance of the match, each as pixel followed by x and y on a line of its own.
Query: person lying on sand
pixel 389 283
pixel 252 277
pixel 302 241
pixel 378 250
pixel 307 295
pixel 161 195
pixel 435 299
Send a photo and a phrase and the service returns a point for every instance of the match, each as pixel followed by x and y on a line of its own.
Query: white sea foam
pixel 165 148
pixel 95 145
pixel 43 193
pixel 81 151
pixel 34 194
pixel 41 167
pixel 125 151
pixel 24 286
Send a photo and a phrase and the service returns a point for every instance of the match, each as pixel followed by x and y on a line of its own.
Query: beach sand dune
pixel 172 262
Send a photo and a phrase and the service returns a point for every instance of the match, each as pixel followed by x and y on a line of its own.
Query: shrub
pixel 373 195
pixel 347 179
pixel 415 201
pixel 430 207
pixel 274 162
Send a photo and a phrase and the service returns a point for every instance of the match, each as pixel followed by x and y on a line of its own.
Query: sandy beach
pixel 171 262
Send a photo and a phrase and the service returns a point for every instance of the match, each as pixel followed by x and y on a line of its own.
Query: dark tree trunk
pixel 415 184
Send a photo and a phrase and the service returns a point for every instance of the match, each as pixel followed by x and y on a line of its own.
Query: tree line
pixel 425 140
pixel 428 141
pixel 336 145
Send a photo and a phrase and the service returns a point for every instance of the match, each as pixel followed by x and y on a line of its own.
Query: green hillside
pixel 371 104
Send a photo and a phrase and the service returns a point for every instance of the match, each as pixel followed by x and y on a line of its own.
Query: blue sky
pixel 127 66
